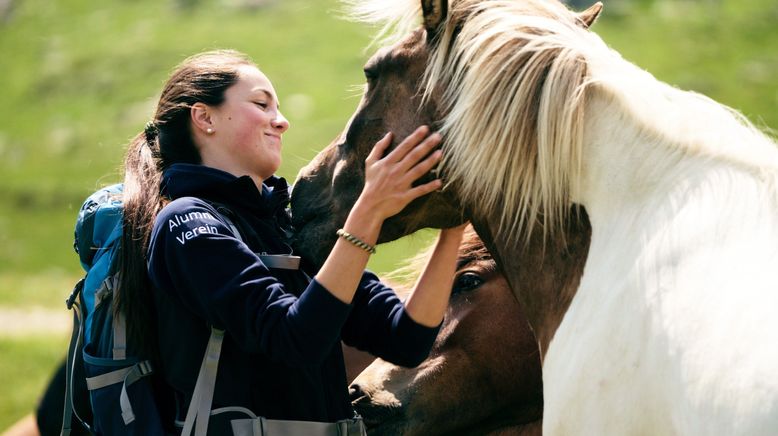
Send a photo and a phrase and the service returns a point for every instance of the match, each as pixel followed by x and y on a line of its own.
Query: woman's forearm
pixel 429 299
pixel 343 268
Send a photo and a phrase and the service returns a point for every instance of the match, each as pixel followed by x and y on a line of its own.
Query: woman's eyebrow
pixel 268 94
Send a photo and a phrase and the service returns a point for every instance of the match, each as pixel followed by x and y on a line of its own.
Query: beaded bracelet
pixel 356 241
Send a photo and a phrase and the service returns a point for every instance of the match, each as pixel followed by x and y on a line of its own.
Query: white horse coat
pixel 674 328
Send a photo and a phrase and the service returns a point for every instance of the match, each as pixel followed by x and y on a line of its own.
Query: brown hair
pixel 166 140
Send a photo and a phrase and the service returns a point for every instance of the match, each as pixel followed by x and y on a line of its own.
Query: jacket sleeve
pixel 194 256
pixel 380 325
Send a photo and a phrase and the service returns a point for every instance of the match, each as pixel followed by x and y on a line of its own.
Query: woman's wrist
pixel 453 235
pixel 363 223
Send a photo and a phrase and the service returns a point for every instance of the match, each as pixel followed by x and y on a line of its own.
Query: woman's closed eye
pixel 262 104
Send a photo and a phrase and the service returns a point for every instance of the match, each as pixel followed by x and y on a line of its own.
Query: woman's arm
pixel 428 301
pixel 403 333
pixel 388 189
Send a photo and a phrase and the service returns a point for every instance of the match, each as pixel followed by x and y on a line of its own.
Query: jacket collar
pixel 184 180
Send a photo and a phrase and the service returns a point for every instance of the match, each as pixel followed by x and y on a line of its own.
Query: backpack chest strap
pixel 280 261
pixel 276 261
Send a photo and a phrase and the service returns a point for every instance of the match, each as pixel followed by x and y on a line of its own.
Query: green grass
pixel 79 79
pixel 25 375
pixel 82 81
pixel 727 50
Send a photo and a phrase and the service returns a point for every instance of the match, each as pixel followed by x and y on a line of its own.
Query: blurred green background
pixel 79 78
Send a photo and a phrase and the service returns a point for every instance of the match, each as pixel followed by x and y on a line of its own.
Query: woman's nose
pixel 280 122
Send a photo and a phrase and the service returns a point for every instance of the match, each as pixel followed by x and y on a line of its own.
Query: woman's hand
pixel 389 179
pixel 388 189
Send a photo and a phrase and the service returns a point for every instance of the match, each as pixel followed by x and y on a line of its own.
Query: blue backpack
pixel 121 396
pixel 120 391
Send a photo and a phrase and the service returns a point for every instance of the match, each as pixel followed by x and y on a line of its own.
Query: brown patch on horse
pixel 544 274
pixel 485 355
pixel 434 12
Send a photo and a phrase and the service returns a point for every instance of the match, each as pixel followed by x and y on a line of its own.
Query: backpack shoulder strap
pixel 233 227
pixel 277 261
pixel 74 350
pixel 199 410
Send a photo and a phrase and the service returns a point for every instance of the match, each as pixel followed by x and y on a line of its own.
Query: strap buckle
pixel 352 427
pixel 71 300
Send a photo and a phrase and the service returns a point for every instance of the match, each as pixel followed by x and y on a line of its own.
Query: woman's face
pixel 248 126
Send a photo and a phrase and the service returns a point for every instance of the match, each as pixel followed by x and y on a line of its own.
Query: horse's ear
pixel 434 15
pixel 588 16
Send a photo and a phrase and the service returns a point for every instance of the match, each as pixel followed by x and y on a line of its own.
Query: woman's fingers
pixel 408 144
pixel 422 190
pixel 417 154
pixel 424 166
pixel 389 179
pixel 379 148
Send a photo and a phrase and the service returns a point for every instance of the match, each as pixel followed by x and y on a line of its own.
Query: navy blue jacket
pixel 281 356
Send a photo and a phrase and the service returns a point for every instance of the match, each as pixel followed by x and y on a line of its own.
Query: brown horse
pixel 482 375
pixel 543 271
pixel 396 100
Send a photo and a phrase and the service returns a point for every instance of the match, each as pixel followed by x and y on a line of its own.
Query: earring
pixel 209 130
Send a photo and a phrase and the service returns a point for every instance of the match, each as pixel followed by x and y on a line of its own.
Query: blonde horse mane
pixel 514 101
pixel 514 98
pixel 396 18
pixel 516 78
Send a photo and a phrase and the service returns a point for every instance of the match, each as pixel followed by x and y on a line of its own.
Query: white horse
pixel 674 327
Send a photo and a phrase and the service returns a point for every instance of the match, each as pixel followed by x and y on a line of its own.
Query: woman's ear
pixel 200 114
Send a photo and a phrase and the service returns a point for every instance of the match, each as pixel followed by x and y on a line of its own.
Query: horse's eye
pixel 467 281
pixel 370 74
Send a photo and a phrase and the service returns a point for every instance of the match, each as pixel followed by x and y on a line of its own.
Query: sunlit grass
pixel 80 79
pixel 25 368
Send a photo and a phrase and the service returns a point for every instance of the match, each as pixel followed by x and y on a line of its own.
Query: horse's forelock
pixel 396 18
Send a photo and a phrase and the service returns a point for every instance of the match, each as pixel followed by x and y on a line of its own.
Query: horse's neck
pixel 651 200
pixel 543 275
pixel 623 166
pixel 681 269
pixel 537 304
pixel 640 134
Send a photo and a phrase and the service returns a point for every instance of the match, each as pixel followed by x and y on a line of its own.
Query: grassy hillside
pixel 79 79
pixel 82 80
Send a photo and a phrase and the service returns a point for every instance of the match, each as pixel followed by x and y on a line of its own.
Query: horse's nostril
pixel 355 392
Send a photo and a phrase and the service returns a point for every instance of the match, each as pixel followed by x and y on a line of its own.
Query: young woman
pixel 201 199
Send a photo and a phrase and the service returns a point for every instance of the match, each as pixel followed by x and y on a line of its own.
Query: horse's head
pixel 403 92
pixel 328 186
pixel 484 355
